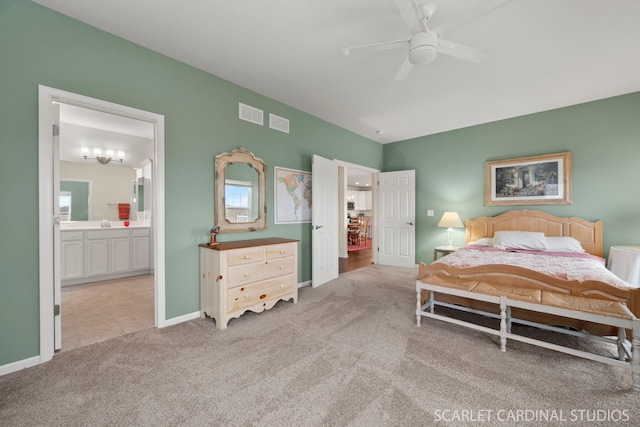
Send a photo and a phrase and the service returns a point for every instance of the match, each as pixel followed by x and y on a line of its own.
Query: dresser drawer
pixel 281 251
pixel 245 256
pixel 241 274
pixel 245 296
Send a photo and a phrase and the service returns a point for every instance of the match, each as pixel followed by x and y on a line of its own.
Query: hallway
pixel 356 260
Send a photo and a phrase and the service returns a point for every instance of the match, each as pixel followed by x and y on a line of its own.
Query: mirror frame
pixel 240 155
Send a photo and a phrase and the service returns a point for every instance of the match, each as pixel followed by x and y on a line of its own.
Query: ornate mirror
pixel 240 180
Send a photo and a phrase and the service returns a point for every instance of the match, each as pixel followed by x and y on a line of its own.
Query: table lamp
pixel 450 220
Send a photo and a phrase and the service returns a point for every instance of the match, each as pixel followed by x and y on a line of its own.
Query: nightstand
pixel 444 250
pixel 624 262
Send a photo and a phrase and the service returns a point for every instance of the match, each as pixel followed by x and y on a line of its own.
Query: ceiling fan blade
pixel 460 51
pixel 374 47
pixel 404 70
pixel 407 9
pixel 472 14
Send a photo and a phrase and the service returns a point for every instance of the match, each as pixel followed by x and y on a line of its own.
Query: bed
pixel 587 233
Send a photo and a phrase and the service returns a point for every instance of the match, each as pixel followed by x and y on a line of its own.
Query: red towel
pixel 123 210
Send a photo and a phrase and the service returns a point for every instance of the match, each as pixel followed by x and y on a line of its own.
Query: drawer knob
pixel 282 267
pixel 247 274
pixel 246 296
pixel 281 286
pixel 247 256
pixel 281 251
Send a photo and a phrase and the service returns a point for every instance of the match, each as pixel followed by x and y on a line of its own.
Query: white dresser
pixel 246 275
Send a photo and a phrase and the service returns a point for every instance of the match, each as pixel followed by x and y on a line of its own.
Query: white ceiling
pixel 83 127
pixel 542 54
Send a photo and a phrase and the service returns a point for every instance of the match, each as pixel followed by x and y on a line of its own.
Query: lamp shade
pixel 450 219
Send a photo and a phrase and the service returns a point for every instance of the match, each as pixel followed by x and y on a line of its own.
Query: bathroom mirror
pixel 240 183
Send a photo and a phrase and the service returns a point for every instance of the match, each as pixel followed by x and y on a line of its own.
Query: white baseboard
pixel 302 284
pixel 19 365
pixel 183 318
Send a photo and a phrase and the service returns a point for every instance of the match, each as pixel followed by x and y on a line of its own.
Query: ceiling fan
pixel 425 43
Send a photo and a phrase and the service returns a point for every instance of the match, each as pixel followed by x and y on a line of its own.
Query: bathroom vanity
pixel 97 253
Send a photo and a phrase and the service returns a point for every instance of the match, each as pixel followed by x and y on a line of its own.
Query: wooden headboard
pixel 588 233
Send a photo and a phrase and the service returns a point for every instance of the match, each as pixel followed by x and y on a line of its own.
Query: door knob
pixel 318 226
pixel 410 223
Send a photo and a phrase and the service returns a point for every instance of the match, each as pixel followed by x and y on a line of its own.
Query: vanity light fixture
pixel 97 153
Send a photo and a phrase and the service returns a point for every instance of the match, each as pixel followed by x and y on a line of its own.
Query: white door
pixel 396 213
pixel 57 318
pixel 324 221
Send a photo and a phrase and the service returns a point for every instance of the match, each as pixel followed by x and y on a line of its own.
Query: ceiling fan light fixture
pixel 422 55
pixel 423 48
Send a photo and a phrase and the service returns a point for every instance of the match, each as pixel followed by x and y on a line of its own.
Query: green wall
pixel 79 199
pixel 39 46
pixel 603 136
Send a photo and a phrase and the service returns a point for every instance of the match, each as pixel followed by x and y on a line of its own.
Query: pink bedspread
pixel 565 266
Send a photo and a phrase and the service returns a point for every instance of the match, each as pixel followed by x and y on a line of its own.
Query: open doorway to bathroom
pixel 105 181
pixel 120 237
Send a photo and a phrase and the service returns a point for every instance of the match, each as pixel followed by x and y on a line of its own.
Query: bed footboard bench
pixel 611 313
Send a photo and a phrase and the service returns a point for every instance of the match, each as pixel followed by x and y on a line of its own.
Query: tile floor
pixel 94 312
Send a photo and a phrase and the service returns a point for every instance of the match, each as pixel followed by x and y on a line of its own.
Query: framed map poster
pixel 292 196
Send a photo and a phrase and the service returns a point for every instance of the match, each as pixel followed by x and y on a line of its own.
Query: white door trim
pixel 46 96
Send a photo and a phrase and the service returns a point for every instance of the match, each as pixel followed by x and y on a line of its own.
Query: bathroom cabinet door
pixel 108 252
pixel 97 257
pixel 140 251
pixel 71 255
pixel 119 255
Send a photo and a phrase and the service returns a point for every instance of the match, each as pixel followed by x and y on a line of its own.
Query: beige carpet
pixel 348 353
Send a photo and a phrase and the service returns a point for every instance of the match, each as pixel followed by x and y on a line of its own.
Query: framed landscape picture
pixel 536 180
pixel 292 196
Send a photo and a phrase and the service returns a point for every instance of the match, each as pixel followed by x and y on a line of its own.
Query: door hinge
pixel 56 310
pixel 56 130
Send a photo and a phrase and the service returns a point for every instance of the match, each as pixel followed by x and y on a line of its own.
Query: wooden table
pixel 444 250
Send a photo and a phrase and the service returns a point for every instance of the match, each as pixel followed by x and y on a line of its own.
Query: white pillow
pixel 524 240
pixel 564 244
pixel 485 241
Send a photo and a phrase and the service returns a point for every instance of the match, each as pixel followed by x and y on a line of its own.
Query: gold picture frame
pixel 535 180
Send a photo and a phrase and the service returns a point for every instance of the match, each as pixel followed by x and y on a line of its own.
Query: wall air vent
pixel 250 114
pixel 278 123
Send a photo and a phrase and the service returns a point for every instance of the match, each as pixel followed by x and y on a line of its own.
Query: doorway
pixel 49 152
pixel 104 159
pixel 360 218
pixel 358 214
